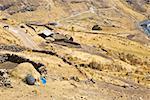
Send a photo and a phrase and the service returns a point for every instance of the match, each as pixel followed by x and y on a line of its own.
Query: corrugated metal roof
pixel 47 32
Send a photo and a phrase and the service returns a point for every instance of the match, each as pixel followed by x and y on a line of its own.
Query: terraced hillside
pixel 95 49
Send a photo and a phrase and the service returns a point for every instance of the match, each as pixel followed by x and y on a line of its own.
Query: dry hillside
pixel 108 63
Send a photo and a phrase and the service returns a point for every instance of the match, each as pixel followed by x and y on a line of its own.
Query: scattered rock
pixel 11 48
pixel 90 81
pixel 4 19
pixel 53 23
pixel 96 27
pixel 5 79
pixel 64 78
pixel 130 37
pixel 3 58
pixel 95 65
pixel 27 8
pixel 22 26
pixel 6 27
pixel 4 7
pixel 75 78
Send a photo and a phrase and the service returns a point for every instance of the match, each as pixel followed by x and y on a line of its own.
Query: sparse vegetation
pixel 92 48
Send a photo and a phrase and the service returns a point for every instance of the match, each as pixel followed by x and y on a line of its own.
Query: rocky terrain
pixel 85 49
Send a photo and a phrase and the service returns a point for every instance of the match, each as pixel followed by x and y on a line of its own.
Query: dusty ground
pixel 112 64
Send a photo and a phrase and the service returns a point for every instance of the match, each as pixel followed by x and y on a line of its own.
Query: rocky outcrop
pixel 24 69
pixel 5 78
pixel 17 59
pixel 12 48
pixel 138 4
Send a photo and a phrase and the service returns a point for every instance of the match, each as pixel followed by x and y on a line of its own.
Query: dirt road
pixel 24 37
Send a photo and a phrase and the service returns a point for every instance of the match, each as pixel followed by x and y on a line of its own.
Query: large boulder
pixel 24 69
pixel 96 27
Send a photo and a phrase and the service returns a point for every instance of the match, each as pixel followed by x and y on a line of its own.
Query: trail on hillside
pixel 24 37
